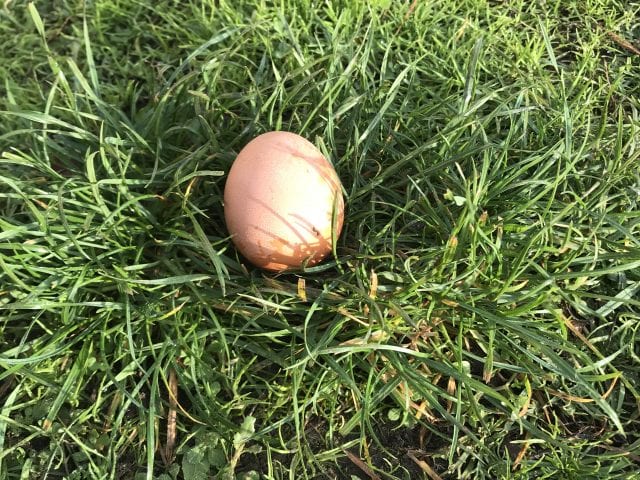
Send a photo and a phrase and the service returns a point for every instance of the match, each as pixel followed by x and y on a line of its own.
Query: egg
pixel 283 202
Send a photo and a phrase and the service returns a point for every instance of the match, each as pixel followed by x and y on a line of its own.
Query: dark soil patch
pixel 390 449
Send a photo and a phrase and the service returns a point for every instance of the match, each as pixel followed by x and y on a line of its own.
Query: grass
pixel 481 315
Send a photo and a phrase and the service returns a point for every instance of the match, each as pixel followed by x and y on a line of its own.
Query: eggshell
pixel 279 201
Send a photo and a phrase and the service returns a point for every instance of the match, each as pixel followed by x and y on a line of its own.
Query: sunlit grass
pixel 479 318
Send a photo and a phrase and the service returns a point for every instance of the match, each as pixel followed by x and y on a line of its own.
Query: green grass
pixel 481 316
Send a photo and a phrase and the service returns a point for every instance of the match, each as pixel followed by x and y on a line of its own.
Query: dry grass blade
pixel 424 466
pixel 361 465
pixel 169 451
pixel 302 289
pixel 520 456
pixel 623 43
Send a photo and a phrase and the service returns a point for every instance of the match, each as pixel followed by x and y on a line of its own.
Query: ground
pixel 478 318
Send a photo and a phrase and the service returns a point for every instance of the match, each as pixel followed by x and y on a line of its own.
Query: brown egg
pixel 279 202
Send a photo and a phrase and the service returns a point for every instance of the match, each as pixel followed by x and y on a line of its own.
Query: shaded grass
pixel 482 309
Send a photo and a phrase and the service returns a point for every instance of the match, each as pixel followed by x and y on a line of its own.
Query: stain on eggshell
pixel 279 202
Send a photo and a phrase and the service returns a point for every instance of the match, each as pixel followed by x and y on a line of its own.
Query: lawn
pixel 480 315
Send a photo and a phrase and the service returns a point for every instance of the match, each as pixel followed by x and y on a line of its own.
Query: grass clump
pixel 480 317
